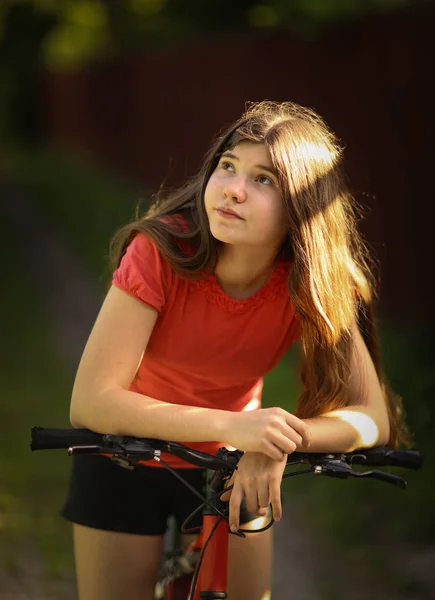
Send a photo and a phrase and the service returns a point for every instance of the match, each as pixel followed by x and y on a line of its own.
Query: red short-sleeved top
pixel 206 349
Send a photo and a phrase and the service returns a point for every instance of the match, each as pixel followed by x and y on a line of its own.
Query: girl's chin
pixel 225 236
pixel 223 239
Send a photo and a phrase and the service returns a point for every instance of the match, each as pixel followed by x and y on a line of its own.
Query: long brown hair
pixel 332 282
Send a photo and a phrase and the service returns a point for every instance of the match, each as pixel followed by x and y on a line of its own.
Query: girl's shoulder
pixel 143 272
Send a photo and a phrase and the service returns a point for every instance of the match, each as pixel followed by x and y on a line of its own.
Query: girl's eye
pixel 265 180
pixel 227 166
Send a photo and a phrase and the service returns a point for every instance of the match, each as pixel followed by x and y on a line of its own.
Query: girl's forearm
pixel 345 430
pixel 123 412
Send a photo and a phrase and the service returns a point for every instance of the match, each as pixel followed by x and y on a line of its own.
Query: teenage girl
pixel 210 289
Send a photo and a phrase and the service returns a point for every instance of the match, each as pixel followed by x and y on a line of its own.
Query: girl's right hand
pixel 272 431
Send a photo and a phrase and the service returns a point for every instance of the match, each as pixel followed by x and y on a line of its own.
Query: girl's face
pixel 243 201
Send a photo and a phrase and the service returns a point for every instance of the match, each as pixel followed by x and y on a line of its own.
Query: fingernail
pixel 233 528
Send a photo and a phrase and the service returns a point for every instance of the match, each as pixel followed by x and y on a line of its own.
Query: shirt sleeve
pixel 144 273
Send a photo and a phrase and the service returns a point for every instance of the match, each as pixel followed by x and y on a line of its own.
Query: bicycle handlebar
pixel 84 440
pixel 57 439
pixel 409 459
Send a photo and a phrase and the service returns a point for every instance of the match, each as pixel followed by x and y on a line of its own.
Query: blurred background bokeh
pixel 101 103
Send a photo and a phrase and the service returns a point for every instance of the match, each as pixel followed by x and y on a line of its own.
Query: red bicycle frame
pixel 212 543
pixel 212 578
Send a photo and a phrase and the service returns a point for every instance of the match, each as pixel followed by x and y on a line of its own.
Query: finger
pixel 301 427
pixel 226 496
pixel 275 499
pixel 293 436
pixel 273 451
pixel 235 502
pixel 251 496
pixel 263 493
pixel 286 445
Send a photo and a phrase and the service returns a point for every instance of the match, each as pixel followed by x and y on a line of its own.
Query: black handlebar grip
pixel 409 459
pixel 52 439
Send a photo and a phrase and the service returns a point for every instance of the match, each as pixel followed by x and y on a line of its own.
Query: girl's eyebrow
pixel 262 167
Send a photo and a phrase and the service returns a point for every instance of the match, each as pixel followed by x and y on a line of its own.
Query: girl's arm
pixel 101 400
pixel 364 422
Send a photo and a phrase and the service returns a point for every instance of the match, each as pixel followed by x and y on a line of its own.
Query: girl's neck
pixel 241 271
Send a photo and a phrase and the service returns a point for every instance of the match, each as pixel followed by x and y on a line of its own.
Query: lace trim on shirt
pixel 275 286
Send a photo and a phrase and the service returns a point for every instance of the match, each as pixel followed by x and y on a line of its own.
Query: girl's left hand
pixel 258 478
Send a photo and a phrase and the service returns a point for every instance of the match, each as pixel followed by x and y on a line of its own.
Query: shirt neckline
pixel 274 286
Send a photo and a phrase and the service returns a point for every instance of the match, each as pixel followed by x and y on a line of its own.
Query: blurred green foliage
pixel 81 30
pixel 34 387
pixel 86 203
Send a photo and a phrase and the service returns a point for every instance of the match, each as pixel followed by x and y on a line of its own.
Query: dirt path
pixel 304 568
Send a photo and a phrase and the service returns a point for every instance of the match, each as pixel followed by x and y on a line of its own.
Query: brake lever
pixel 87 450
pixel 121 450
pixel 132 448
pixel 382 476
pixel 342 470
pixel 334 468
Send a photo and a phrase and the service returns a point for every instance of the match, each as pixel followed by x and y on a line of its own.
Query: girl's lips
pixel 228 214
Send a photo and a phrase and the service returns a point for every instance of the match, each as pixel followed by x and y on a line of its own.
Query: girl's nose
pixel 235 190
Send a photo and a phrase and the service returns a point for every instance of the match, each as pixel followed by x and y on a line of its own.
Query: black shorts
pixel 106 496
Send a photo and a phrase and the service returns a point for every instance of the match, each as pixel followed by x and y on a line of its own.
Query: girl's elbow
pixel 383 440
pixel 86 411
pixel 75 422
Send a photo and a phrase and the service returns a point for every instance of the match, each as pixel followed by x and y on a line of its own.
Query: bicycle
pixel 200 572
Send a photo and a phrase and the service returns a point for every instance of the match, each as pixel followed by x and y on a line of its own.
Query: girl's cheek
pixel 216 182
pixel 212 185
pixel 210 191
